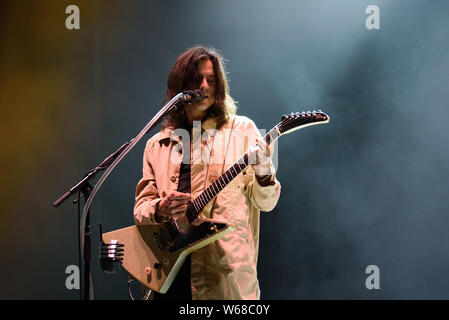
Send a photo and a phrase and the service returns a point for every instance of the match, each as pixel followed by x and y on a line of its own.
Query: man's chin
pixel 202 106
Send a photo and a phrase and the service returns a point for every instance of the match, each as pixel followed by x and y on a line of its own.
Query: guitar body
pixel 154 258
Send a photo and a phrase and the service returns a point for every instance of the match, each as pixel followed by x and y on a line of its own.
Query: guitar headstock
pixel 296 121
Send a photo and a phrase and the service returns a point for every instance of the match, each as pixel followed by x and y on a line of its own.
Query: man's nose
pixel 204 83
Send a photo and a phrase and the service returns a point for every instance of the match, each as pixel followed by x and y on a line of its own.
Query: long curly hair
pixel 184 76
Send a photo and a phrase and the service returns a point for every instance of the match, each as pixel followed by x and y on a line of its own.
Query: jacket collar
pixel 208 124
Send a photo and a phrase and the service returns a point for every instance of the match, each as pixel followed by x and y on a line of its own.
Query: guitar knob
pixel 148 270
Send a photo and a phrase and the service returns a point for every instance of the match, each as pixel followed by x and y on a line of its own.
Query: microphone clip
pixel 190 96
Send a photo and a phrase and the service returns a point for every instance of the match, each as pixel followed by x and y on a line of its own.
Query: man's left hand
pixel 260 158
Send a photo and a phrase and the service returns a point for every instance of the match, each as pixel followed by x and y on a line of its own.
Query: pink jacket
pixel 227 268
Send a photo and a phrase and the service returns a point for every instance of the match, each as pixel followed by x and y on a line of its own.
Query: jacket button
pixel 173 179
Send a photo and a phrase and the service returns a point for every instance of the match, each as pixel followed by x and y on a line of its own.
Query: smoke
pixel 376 195
pixel 366 189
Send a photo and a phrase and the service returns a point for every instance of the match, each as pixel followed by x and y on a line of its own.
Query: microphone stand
pixel 89 193
pixel 84 188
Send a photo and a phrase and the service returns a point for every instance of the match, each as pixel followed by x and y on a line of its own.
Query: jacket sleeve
pixel 147 197
pixel 264 198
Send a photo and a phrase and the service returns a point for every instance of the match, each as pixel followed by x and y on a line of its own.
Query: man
pixel 226 268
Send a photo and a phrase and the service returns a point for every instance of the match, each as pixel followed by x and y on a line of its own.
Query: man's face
pixel 206 71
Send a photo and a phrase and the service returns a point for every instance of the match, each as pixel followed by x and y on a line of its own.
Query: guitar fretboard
pixel 207 195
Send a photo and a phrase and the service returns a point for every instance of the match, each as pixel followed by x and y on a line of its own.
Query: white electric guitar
pixel 153 254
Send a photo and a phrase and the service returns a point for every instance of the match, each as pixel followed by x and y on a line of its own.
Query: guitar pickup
pixel 159 241
pixel 172 229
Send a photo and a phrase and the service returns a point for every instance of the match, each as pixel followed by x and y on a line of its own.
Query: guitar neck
pixel 197 205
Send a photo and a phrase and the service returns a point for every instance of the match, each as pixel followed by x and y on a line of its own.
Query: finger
pixel 178 196
pixel 179 215
pixel 261 141
pixel 177 193
pixel 174 205
pixel 177 200
pixel 264 147
pixel 179 211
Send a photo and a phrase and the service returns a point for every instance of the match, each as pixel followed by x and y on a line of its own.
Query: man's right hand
pixel 173 205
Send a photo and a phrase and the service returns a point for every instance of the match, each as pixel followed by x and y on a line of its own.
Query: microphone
pixel 193 96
